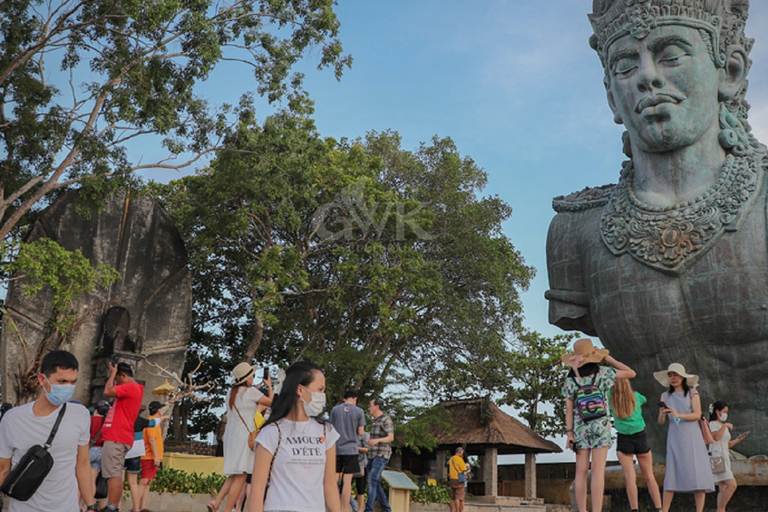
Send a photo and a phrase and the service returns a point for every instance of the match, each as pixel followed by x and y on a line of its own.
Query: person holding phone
pixel 721 431
pixel 242 403
pixel 688 467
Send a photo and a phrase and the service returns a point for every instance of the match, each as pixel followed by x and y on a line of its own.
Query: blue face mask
pixel 60 393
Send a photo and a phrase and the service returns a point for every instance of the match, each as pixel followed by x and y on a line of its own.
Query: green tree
pixel 538 377
pixel 80 81
pixel 378 263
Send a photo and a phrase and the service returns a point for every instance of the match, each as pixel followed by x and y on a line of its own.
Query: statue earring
pixel 733 136
pixel 626 145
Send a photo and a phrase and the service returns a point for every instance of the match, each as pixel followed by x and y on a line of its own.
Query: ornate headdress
pixel 723 20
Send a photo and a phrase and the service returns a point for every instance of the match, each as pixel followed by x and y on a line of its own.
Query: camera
pixel 113 359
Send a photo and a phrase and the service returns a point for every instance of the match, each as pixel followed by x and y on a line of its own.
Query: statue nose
pixel 648 76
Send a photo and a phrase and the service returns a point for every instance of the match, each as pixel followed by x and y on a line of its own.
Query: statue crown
pixel 723 19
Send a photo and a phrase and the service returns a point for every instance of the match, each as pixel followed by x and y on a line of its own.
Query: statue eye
pixel 624 66
pixel 672 54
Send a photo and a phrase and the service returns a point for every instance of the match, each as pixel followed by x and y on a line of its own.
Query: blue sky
pixel 514 83
pixel 517 87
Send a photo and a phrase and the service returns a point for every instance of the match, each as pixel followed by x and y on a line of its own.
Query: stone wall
pixel 137 238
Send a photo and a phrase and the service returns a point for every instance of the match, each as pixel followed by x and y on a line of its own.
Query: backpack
pixel 589 401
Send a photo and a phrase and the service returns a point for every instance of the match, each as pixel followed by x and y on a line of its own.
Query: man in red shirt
pixel 118 428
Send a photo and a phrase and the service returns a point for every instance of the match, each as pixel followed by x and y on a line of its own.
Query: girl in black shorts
pixel 632 442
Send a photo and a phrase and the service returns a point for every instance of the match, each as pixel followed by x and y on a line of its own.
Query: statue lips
pixel 658 99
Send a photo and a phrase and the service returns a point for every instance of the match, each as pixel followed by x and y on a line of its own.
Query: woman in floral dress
pixel 590 436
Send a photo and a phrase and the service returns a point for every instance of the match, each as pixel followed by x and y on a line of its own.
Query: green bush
pixel 174 480
pixel 431 494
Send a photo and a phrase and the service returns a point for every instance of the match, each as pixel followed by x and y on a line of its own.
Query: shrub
pixel 175 480
pixel 431 494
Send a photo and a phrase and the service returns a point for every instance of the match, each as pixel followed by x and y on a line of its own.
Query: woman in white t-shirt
pixel 296 452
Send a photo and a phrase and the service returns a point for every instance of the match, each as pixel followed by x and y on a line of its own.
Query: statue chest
pixel 722 296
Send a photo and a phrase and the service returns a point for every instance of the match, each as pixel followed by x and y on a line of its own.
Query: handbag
pixel 717 462
pixel 706 432
pixel 102 487
pixel 251 434
pixel 24 479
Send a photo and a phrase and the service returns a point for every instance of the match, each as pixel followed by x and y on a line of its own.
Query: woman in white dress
pixel 721 431
pixel 242 402
pixel 296 452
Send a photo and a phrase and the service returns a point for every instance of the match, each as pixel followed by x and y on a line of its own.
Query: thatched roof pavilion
pixel 480 422
pixel 484 430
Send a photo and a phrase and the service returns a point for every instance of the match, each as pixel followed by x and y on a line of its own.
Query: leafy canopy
pixel 378 263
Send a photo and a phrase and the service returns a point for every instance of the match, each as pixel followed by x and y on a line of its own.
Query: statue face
pixel 664 88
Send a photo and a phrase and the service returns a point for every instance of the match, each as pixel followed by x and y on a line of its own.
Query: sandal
pixel 210 507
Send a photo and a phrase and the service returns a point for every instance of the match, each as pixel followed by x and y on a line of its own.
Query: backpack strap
pixel 56 426
pixel 573 377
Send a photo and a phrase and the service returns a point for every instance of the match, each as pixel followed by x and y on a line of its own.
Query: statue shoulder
pixel 586 199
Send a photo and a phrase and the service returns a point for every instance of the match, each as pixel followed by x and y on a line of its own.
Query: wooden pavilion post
pixel 491 471
pixel 530 475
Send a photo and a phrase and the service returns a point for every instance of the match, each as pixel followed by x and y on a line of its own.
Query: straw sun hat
pixel 585 350
pixel 241 372
pixel 663 378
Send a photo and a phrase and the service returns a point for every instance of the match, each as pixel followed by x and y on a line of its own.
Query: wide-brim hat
pixel 587 351
pixel 663 379
pixel 241 372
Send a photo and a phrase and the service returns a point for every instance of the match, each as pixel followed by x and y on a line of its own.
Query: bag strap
pixel 274 455
pixel 55 428
pixel 103 421
pixel 241 419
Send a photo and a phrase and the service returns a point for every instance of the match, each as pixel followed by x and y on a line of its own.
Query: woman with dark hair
pixel 242 402
pixel 721 431
pixel 631 441
pixel 587 421
pixel 688 467
pixel 296 452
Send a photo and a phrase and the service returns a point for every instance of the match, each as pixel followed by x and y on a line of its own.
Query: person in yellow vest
pixel 457 472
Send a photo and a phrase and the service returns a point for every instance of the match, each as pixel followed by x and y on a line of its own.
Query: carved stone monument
pixel 671 263
pixel 144 318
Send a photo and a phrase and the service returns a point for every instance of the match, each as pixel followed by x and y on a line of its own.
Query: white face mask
pixel 723 416
pixel 315 405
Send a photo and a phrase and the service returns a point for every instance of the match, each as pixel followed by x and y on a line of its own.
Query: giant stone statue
pixel 671 263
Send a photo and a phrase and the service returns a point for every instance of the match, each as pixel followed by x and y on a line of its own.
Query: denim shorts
pixel 94 453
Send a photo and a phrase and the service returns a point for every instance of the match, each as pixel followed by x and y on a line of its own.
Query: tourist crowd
pixel 598 395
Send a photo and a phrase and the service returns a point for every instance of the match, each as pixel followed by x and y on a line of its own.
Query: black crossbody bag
pixel 24 479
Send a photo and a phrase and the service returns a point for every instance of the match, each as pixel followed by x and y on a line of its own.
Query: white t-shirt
pixel 300 458
pixel 20 429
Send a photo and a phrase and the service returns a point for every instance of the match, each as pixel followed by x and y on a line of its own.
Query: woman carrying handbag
pixel 687 458
pixel 720 457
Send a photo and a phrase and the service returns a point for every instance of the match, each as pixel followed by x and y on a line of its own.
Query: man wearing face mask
pixel 31 424
pixel 118 428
